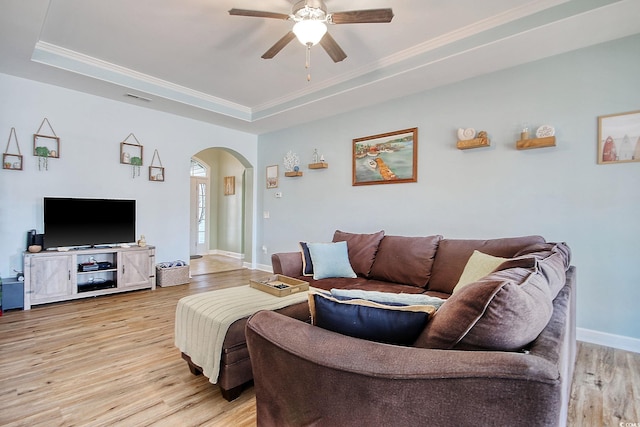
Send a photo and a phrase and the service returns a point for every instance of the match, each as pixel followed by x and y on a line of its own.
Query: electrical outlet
pixel 265 214
pixel 264 249
pixel 278 195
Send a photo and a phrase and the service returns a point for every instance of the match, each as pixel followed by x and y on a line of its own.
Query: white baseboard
pixel 609 340
pixel 261 267
pixel 235 255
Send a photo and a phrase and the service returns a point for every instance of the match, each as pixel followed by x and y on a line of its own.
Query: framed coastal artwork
pixel 272 176
pixel 388 158
pixel 619 138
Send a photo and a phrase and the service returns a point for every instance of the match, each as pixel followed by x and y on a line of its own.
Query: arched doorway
pixel 221 211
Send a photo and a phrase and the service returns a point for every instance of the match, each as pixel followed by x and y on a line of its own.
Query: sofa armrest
pixel 287 263
pixel 306 375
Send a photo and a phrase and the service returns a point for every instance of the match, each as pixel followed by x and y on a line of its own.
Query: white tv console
pixel 53 276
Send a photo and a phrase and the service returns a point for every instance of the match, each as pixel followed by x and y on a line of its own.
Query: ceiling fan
pixel 311 19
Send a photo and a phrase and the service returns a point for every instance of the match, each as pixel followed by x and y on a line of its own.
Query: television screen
pixel 72 222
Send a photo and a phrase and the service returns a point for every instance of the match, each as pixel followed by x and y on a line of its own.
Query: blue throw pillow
pixel 369 320
pixel 307 264
pixel 330 260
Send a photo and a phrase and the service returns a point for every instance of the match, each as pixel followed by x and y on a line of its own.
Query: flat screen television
pixel 74 222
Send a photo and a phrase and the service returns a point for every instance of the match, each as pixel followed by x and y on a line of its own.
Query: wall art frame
pixel 387 158
pixel 619 138
pixel 229 185
pixel 132 154
pixel 46 146
pixel 12 161
pixel 272 176
pixel 156 172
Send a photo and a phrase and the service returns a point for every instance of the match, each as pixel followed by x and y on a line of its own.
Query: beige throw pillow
pixel 478 266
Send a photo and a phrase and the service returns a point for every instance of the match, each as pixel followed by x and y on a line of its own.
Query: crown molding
pixel 410 53
pixel 419 56
pixel 69 60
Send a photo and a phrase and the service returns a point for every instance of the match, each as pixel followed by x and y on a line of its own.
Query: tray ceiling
pixel 191 58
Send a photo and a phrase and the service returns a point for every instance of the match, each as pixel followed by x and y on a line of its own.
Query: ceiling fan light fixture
pixel 309 31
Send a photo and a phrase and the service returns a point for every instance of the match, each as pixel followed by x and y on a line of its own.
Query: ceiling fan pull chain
pixel 307 64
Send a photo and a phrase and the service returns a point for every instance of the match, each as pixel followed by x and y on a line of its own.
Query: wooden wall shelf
pixel 321 165
pixel 293 174
pixel 526 144
pixel 473 143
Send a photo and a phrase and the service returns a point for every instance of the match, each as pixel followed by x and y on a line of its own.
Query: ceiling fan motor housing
pixel 299 8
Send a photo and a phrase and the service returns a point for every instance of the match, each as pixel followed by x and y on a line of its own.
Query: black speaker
pixel 31 237
pixel 34 238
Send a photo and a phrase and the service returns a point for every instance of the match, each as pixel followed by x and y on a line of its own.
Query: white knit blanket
pixel 202 321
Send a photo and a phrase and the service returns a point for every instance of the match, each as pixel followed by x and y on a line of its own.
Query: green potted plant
pixel 43 157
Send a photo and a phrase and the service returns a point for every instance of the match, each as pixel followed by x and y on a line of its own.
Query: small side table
pixel 12 294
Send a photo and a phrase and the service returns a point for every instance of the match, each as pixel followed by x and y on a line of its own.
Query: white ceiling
pixel 191 58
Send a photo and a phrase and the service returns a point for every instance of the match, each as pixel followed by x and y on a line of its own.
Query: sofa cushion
pixel 392 324
pixel 406 260
pixel 453 255
pixel 552 259
pixel 330 260
pixel 503 311
pixel 307 263
pixel 362 249
pixel 478 266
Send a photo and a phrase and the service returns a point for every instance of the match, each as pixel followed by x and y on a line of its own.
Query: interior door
pixel 199 227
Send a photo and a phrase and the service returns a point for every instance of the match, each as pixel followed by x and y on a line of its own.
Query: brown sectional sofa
pixel 499 351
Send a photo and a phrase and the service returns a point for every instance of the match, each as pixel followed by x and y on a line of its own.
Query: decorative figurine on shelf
pixel 315 155
pixel 483 137
pixel 142 242
pixel 322 158
pixel 466 134
pixel 291 162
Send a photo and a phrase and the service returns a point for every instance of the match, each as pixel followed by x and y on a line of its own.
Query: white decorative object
pixel 466 134
pixel 545 131
pixel 291 162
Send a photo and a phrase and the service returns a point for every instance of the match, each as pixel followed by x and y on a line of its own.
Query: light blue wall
pixel 560 192
pixel 90 130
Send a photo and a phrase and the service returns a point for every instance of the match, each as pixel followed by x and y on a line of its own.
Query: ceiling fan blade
pixel 280 44
pixel 362 16
pixel 258 14
pixel 332 48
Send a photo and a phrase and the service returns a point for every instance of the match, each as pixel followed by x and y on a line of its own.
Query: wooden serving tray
pixel 279 285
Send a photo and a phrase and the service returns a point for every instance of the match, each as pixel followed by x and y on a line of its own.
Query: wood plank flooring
pixel 110 361
pixel 208 264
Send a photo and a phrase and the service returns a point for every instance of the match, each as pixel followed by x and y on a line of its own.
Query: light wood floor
pixel 110 361
pixel 208 264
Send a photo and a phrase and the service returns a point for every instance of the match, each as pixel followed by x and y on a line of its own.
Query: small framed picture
pixel 388 158
pixel 619 138
pixel 272 176
pixel 229 185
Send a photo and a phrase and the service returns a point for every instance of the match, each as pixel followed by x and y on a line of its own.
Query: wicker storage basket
pixel 171 276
